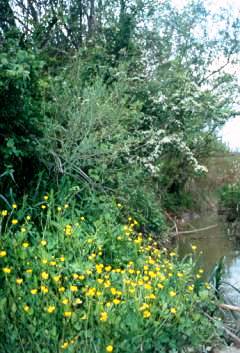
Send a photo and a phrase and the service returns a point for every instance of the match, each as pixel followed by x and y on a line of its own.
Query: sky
pixel 213 5
pixel 230 134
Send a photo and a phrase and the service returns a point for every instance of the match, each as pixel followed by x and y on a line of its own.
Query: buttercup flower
pixel 25 245
pixel 104 316
pixel 67 313
pixel 19 280
pixel 44 275
pixel 7 270
pixel 34 291
pixel 146 314
pixel 51 309
pixel 26 308
pixel 73 288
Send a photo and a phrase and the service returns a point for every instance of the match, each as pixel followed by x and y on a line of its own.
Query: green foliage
pixel 229 203
pixel 135 97
pixel 20 113
pixel 72 285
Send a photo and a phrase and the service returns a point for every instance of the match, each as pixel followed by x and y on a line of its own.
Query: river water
pixel 212 245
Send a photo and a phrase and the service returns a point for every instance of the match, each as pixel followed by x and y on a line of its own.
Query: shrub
pixel 71 285
pixel 20 114
pixel 230 201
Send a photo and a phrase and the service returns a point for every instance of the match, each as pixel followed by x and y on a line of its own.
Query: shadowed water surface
pixel 212 245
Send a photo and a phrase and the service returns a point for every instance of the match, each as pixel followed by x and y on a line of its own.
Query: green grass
pixel 74 285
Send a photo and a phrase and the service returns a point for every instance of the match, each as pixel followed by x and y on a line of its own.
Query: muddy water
pixel 212 245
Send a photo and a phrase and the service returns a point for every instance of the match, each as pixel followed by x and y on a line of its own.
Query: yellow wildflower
pixel 51 309
pixel 151 296
pixel 73 288
pixel 144 307
pixel 44 275
pixel 91 292
pixel 77 301
pixel 116 301
pixel 44 289
pixel 19 280
pixel 34 291
pixel 173 310
pixel 190 288
pixel 26 308
pixel 107 284
pixel 104 316
pixel 65 301
pixel 207 285
pixel 65 345
pixel 146 314
pixel 113 291
pixel 172 293
pixel 99 268
pixel 25 245
pixel 43 242
pixel 68 230
pixel 109 348
pixel 3 253
pixel 56 278
pixel 67 313
pixel 7 270
pixel 14 221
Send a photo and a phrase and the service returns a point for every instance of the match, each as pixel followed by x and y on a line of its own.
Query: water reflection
pixel 212 245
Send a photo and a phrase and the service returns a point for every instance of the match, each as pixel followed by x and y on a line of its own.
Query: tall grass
pixel 75 285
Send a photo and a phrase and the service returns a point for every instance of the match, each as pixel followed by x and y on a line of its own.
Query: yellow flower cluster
pixel 83 278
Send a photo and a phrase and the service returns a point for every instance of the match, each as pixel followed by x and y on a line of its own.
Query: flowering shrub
pixel 68 285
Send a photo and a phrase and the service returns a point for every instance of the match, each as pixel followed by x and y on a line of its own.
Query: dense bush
pixel 20 115
pixel 74 285
pixel 229 203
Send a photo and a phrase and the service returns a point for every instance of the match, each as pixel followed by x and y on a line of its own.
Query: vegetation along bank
pixel 108 112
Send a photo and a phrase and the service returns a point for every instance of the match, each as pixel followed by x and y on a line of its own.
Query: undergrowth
pixel 75 285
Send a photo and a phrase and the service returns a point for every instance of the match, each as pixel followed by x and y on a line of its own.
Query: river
pixel 213 244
